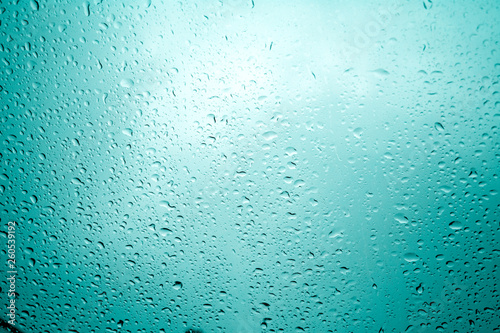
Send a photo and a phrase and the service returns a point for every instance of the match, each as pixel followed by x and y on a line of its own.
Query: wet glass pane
pixel 250 166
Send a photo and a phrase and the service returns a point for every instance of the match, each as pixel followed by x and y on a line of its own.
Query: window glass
pixel 251 166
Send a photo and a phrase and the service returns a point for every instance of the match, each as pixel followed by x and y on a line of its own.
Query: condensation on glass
pixel 252 166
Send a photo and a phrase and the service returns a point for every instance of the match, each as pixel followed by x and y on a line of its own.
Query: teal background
pixel 286 166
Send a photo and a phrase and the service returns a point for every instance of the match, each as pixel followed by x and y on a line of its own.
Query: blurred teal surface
pixel 252 166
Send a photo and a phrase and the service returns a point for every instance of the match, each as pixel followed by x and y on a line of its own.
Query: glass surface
pixel 251 166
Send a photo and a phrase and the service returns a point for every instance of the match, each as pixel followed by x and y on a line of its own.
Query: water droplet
pixel 456 225
pixel 34 5
pixel 86 8
pixel 439 127
pixel 128 132
pixel 358 132
pixel 270 135
pixel 411 257
pixel 380 72
pixel 127 83
pixel 165 231
pixel 401 218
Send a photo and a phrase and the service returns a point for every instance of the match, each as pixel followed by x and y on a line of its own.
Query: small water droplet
pixel 411 257
pixel 439 127
pixel 34 5
pixel 401 218
pixel 270 135
pixel 456 225
pixel 128 132
pixel 127 83
pixel 86 8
